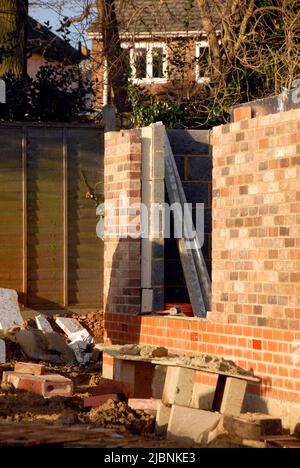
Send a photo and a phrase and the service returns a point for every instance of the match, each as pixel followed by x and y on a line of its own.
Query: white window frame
pixel 200 79
pixel 149 46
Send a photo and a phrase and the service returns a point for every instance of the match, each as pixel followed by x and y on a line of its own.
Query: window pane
pixel 157 62
pixel 140 63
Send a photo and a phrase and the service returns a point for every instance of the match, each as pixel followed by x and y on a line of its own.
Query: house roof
pixel 138 17
pixel 43 41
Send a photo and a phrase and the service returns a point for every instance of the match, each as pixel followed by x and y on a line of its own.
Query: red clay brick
pixel 99 400
pixel 48 385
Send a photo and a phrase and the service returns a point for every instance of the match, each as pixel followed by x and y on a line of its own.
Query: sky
pixel 47 14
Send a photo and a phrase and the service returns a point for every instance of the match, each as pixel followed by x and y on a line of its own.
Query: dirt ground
pixel 136 427
pixel 28 407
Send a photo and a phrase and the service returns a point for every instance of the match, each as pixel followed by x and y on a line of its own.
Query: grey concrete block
pixel 147 300
pixel 158 297
pixel 158 381
pixel 43 324
pixel 233 396
pixel 200 168
pixel 158 272
pixel 2 352
pixel 198 192
pixel 189 141
pixel 252 426
pixel 178 387
pixel 10 315
pixel 146 264
pixel 162 419
pixel 158 161
pixel 192 425
pixel 153 191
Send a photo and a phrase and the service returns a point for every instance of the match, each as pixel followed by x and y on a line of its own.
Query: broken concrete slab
pixel 29 368
pixel 192 425
pixel 162 419
pixel 2 352
pixel 81 340
pixel 57 347
pixel 41 346
pixel 43 324
pixel 80 349
pixel 74 330
pixel 48 385
pixel 178 388
pixel 10 315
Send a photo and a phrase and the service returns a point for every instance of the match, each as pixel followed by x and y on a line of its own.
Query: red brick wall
pixel 269 352
pixel 256 221
pixel 255 318
pixel 122 256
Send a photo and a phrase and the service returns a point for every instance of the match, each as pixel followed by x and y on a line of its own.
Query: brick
pixel 99 400
pixel 106 386
pixel 162 419
pixel 191 425
pixel 29 368
pixel 242 113
pixel 49 385
pixel 179 386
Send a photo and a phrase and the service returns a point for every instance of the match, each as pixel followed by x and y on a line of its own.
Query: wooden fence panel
pixel 84 256
pixel 49 251
pixel 11 208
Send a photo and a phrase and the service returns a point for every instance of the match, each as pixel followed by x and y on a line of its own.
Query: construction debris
pixel 148 405
pixel 106 386
pixel 10 315
pixel 252 425
pixel 118 415
pixel 189 424
pixel 29 368
pixel 81 340
pixel 48 385
pixel 43 346
pixel 43 324
pixel 144 351
pixel 99 400
pixel 74 330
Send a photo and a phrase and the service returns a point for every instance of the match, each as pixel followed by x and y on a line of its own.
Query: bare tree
pixel 13 21
pixel 253 51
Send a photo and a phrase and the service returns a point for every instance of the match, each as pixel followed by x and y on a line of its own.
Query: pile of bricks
pixel 32 378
